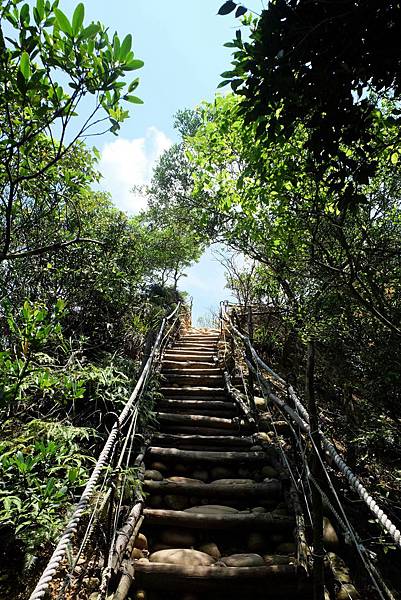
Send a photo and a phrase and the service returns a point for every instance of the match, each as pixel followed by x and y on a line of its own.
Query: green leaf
pixel 241 10
pixel 133 65
pixel 133 99
pixel 116 47
pixel 63 22
pixel 394 158
pixel 25 65
pixel 236 83
pixel 223 83
pixel 96 152
pixel 90 31
pixel 227 8
pixel 227 74
pixel 40 7
pixel 133 85
pixel 24 14
pixel 125 46
pixel 78 18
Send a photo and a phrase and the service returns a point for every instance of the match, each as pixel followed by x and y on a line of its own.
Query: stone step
pixel 254 491
pixel 194 405
pixel 198 341
pixel 173 428
pixel 281 580
pixel 179 440
pixel 196 345
pixel 199 370
pixel 190 391
pixel 200 380
pixel 176 366
pixel 203 412
pixel 201 336
pixel 205 356
pixel 172 420
pixel 200 456
pixel 194 520
pixel 214 408
pixel 202 349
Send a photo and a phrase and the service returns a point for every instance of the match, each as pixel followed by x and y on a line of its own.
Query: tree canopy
pixel 48 65
pixel 329 66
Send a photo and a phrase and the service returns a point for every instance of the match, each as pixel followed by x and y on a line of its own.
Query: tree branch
pixel 49 248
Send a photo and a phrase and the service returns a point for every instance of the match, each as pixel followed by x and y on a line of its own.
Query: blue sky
pixel 181 43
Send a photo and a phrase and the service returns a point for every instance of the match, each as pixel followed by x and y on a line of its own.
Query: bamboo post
pixel 315 468
pixel 248 355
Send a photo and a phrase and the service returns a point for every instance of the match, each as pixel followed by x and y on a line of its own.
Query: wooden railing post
pixel 248 354
pixel 316 471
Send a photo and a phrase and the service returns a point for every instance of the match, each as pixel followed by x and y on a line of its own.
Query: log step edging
pixel 211 457
pixel 191 520
pixel 193 377
pixel 190 390
pixel 210 404
pixel 171 428
pixel 195 420
pixel 270 490
pixel 176 440
pixel 190 365
pixel 176 368
pixel 280 580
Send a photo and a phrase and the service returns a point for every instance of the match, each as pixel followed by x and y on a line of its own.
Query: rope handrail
pixel 303 421
pixel 103 461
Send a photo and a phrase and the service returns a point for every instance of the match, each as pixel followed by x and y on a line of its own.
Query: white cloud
pixel 125 163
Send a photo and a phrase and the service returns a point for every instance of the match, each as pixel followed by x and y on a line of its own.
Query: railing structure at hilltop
pixel 274 388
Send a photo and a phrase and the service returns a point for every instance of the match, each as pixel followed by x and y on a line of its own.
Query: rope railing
pixel 301 417
pixel 102 463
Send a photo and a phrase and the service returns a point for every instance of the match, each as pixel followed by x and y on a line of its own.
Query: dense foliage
pixel 326 65
pixel 82 285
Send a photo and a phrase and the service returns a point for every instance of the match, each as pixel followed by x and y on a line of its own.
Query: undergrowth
pixel 58 399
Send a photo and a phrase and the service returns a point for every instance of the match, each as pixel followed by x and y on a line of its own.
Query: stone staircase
pixel 217 523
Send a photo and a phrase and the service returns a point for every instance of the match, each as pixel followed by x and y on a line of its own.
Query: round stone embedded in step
pixel 153 475
pixel 212 549
pixel 243 560
pixel 330 537
pixel 212 509
pixel 179 479
pixel 182 556
pixel 258 510
pixel 158 466
pixel 141 542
